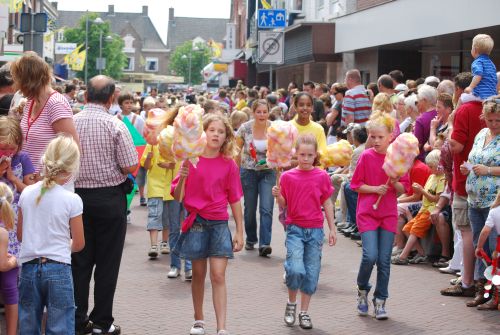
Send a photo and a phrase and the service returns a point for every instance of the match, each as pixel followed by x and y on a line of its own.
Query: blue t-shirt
pixel 484 67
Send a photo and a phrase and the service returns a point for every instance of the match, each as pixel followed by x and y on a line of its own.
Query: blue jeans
pixel 303 258
pixel 175 209
pixel 477 218
pixel 46 285
pixel 377 248
pixel 351 199
pixel 258 185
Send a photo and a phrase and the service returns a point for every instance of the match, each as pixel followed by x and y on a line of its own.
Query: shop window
pixel 151 64
pixel 130 64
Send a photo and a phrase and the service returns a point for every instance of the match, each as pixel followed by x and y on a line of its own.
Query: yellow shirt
pixel 314 129
pixel 435 185
pixel 241 104
pixel 158 178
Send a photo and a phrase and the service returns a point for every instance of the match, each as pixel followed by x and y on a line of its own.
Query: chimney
pixel 171 13
pixel 145 10
pixel 111 10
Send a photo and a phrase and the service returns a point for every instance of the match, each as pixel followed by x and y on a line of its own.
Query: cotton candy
pixel 400 155
pixel 281 137
pixel 152 126
pixel 189 139
pixel 165 141
pixel 336 154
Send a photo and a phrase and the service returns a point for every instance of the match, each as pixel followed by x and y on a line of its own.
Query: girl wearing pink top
pixel 303 191
pixel 377 227
pixel 207 190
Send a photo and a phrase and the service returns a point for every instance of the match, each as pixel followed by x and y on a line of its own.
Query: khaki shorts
pixel 460 215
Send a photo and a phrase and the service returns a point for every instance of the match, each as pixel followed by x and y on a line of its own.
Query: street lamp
pixel 190 57
pixel 101 61
pixel 96 21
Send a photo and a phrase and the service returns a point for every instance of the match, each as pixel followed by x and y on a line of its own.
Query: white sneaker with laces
pixel 198 328
pixel 174 272
pixel 188 275
pixel 164 248
pixel 153 251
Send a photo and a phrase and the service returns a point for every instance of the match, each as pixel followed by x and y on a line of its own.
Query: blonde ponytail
pixel 6 211
pixel 62 156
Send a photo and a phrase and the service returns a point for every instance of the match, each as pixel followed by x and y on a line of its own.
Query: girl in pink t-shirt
pixel 207 190
pixel 303 191
pixel 377 227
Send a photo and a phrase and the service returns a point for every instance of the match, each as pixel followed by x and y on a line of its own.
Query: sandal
pixel 396 260
pixel 441 263
pixel 419 259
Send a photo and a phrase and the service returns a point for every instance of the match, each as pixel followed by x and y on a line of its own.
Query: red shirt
pixel 466 125
pixel 305 192
pixel 419 173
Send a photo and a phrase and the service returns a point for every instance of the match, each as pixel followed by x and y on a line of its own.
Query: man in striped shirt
pixel 356 106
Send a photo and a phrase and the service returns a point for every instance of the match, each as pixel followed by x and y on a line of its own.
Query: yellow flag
pixel 79 61
pixel 266 4
pixel 71 58
pixel 15 6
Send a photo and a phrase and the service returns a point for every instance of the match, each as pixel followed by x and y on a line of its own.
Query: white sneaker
pixel 129 218
pixel 164 248
pixel 198 328
pixel 153 252
pixel 174 272
pixel 188 275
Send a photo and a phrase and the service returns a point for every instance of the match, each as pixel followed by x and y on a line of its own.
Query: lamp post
pixel 190 57
pixel 96 21
pixel 101 61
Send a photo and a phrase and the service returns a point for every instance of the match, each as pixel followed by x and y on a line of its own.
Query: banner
pixel 79 61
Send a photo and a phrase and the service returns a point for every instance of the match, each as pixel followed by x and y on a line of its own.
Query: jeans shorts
pixel 158 214
pixel 46 285
pixel 206 238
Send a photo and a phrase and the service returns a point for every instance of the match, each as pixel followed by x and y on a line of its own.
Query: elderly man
pixel 356 106
pixel 108 155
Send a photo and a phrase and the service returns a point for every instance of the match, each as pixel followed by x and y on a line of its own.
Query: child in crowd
pixel 164 213
pixel 51 228
pixel 237 118
pixel 418 227
pixel 484 83
pixel 377 227
pixel 16 170
pixel 147 105
pixel 206 192
pixel 7 260
pixel 303 191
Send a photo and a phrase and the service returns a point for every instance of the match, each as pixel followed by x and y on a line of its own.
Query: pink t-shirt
pixel 39 132
pixel 305 192
pixel 369 172
pixel 210 187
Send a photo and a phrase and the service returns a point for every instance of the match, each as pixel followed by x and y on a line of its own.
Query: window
pixel 129 65
pixel 151 64
pixel 60 35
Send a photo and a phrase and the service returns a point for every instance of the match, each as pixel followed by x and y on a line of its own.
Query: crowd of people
pixel 67 160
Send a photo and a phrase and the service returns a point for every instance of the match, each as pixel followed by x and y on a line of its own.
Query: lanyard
pixel 31 122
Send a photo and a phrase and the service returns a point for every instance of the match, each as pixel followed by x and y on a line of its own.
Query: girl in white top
pixel 50 227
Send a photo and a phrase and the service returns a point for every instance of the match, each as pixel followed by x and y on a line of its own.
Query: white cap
pixel 401 88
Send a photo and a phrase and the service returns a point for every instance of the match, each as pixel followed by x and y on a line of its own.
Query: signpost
pixel 271 18
pixel 271 50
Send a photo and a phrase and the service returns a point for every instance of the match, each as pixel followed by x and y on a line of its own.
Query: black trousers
pixel 105 226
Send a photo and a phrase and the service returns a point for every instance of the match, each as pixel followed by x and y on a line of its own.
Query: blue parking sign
pixel 271 18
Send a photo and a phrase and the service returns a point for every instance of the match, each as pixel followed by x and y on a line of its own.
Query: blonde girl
pixel 206 192
pixel 303 191
pixel 7 261
pixel 377 227
pixel 50 227
pixel 382 102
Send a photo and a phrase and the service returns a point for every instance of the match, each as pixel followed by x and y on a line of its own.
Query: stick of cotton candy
pixel 281 137
pixel 399 158
pixel 336 154
pixel 189 138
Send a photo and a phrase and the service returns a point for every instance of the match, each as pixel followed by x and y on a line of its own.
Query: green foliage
pixel 112 50
pixel 199 59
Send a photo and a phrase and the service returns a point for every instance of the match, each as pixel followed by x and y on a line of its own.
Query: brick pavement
pixel 147 302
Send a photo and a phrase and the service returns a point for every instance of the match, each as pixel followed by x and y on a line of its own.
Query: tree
pixel 112 50
pixel 200 57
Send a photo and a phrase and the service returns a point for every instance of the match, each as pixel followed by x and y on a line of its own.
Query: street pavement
pixel 147 302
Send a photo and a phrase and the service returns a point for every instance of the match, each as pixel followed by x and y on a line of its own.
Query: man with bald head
pixel 108 155
pixel 356 106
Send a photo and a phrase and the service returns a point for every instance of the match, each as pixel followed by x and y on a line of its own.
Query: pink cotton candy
pixel 189 138
pixel 281 137
pixel 400 155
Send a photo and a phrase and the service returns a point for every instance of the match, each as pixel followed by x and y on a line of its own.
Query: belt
pixel 43 260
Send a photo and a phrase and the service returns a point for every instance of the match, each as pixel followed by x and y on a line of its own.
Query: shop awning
pixel 138 76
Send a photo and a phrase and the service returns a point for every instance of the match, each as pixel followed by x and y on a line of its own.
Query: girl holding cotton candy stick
pixel 376 226
pixel 205 191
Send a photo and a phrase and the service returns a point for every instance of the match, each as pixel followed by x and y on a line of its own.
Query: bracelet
pixel 489 170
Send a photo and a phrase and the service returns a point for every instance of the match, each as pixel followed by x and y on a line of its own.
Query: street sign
pixel 271 47
pixel 64 48
pixel 271 18
pixel 100 63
